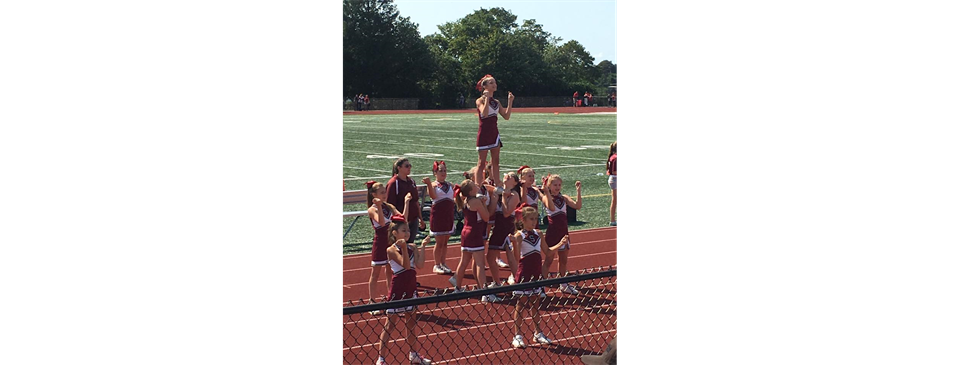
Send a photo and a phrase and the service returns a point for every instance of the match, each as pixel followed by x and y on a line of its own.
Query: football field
pixel 575 146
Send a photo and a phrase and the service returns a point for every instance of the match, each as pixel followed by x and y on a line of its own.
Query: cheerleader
pixel 504 227
pixel 475 216
pixel 556 207
pixel 441 215
pixel 612 171
pixel 488 136
pixel 404 259
pixel 529 191
pixel 380 211
pixel 527 251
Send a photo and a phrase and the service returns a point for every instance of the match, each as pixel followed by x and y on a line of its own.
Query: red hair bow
pixel 456 190
pixel 436 165
pixel 480 83
pixel 398 218
pixel 518 213
pixel 370 184
pixel 521 169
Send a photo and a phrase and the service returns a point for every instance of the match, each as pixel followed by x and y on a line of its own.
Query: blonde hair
pixel 462 197
pixel 549 182
pixel 373 188
pixel 526 212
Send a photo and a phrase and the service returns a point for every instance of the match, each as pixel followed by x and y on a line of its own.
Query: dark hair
pixel 613 149
pixel 373 188
pixel 397 163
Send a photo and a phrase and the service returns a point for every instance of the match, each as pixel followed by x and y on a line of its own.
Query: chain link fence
pixel 462 328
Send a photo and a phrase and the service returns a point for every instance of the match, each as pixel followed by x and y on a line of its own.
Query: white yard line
pixel 421 130
pixel 503 167
pixel 474 149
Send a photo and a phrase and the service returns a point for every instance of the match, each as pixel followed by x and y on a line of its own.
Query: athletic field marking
pixel 351 121
pixel 502 167
pixel 419 130
pixel 474 149
pixel 443 119
pixel 426 158
pixel 361 141
pixel 595 195
pixel 364 168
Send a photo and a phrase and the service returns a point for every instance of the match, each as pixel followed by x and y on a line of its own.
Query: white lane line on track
pixel 577 232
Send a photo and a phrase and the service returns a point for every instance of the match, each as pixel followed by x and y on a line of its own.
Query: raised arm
pixel 419 253
pixel 406 206
pixel 510 202
pixel 376 212
pixel 430 190
pixel 546 198
pixel 575 204
pixel 483 103
pixel 505 112
pixel 405 252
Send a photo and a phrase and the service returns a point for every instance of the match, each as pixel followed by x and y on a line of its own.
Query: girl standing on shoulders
pixel 488 136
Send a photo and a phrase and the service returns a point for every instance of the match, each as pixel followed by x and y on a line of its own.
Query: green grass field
pixel 575 146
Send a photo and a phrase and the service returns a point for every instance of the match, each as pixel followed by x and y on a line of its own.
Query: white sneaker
pixel 541 338
pixel 518 342
pixel 511 280
pixel 446 269
pixel 569 289
pixel 376 312
pixel 415 358
pixel 453 281
pixel 438 270
pixel 381 361
pixel 490 298
pixel 543 293
pixel 501 263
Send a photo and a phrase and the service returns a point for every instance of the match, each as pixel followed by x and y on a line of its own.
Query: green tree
pixel 383 53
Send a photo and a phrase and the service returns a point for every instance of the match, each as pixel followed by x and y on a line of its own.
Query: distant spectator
pixel 585 99
pixel 460 100
pixel 366 102
pixel 589 99
pixel 347 103
pixel 613 99
pixel 576 98
pixel 358 104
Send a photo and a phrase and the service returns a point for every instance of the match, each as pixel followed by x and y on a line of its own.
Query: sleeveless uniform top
pixel 557 219
pixel 380 244
pixel 532 197
pixel 442 211
pixel 488 136
pixel 474 229
pixel 530 243
pixel 398 267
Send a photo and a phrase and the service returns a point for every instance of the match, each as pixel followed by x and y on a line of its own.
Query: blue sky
pixel 592 23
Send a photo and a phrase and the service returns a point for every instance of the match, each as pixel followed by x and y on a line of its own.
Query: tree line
pixel 385 56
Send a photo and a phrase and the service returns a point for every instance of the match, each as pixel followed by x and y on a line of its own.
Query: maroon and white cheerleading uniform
pixel 380 244
pixel 474 230
pixel 558 222
pixel 485 197
pixel 530 265
pixel 488 136
pixel 532 198
pixel 404 283
pixel 489 181
pixel 442 211
pixel 502 229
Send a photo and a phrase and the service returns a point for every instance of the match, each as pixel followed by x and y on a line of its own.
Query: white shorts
pixel 613 182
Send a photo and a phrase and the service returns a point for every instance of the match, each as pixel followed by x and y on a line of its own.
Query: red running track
pixel 446 332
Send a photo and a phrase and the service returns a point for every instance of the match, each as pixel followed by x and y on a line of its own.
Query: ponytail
pixel 613 150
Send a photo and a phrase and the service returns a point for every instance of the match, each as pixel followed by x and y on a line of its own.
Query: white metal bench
pixel 360 197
